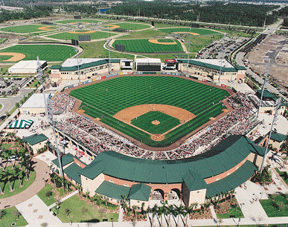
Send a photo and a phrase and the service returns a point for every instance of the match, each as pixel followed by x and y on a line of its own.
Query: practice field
pixel 106 99
pixel 77 21
pixel 194 31
pixel 45 52
pixel 128 26
pixel 75 34
pixel 150 45
pixel 27 28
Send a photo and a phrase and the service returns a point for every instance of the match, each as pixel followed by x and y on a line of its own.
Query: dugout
pixel 126 64
pixel 148 64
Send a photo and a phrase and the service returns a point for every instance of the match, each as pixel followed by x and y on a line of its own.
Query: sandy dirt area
pixel 87 32
pixel 15 56
pixel 113 26
pixel 155 41
pixel 46 28
pixel 192 33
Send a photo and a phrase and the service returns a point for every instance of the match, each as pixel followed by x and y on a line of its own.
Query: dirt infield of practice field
pixel 132 112
pixel 87 32
pixel 155 41
pixel 113 26
pixel 46 28
pixel 155 136
pixel 192 33
pixel 15 56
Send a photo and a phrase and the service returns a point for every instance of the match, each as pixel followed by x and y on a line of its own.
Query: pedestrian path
pixel 35 211
pixel 63 199
pixel 214 216
pixel 41 175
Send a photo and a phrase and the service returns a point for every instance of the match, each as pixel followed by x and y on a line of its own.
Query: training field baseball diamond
pixel 155 110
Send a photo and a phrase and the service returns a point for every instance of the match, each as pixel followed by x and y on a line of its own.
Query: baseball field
pixel 194 31
pixel 77 21
pixel 150 45
pixel 45 52
pixel 75 34
pixel 156 110
pixel 128 26
pixel 27 28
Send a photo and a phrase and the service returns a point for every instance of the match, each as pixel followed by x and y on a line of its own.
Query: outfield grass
pixel 75 205
pixel 149 33
pixel 272 208
pixel 131 26
pixel 166 122
pixel 200 31
pixel 44 198
pixel 15 184
pixel 77 21
pixel 144 46
pixel 45 52
pixel 10 218
pixel 95 35
pixel 4 57
pixel 24 28
pixel 124 92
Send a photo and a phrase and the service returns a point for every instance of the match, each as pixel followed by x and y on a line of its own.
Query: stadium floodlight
pixel 263 88
pixel 221 59
pixel 76 48
pixel 276 108
pixel 49 115
pixel 189 43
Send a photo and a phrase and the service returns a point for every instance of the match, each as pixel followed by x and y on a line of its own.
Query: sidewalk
pixel 42 173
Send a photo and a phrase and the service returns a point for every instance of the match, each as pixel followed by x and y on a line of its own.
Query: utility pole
pixel 76 50
pixel 263 88
pixel 276 107
pixel 49 116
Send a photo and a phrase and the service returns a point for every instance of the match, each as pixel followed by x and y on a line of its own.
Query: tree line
pixel 216 12
pixel 27 13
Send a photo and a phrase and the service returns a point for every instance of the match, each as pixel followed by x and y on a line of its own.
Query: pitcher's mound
pixel 155 122
pixel 157 137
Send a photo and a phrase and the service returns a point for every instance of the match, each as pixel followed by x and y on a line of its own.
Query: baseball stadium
pixel 156 138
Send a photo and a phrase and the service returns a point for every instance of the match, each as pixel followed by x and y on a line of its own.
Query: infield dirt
pixel 15 56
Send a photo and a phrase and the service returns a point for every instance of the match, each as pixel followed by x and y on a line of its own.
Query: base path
pixel 46 28
pixel 112 26
pixel 87 32
pixel 155 41
pixel 192 33
pixel 132 112
pixel 15 56
pixel 42 174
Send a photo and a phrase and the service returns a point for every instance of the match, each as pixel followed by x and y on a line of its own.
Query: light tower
pixel 276 107
pixel 49 115
pixel 76 50
pixel 263 88
pixel 221 59
pixel 189 43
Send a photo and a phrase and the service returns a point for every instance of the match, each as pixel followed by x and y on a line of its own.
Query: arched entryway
pixel 174 194
pixel 158 194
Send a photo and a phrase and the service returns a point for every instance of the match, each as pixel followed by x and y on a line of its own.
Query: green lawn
pixel 10 218
pixel 45 199
pixel 4 57
pixel 149 33
pixel 96 50
pixel 95 35
pixel 199 31
pixel 124 92
pixel 166 122
pixel 45 52
pixel 2 40
pixel 75 205
pixel 272 207
pixel 6 145
pixel 77 21
pixel 232 212
pixel 24 28
pixel 15 185
pixel 283 175
pixel 34 84
pixel 144 46
pixel 132 26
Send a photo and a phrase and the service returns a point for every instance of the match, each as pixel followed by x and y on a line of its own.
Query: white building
pixel 148 64
pixel 89 68
pixel 26 67
pixel 34 105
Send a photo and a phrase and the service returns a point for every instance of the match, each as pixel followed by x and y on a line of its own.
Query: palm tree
pixel 154 210
pixel 1 177
pixel 1 157
pixel 8 176
pixel 7 155
pixel 20 174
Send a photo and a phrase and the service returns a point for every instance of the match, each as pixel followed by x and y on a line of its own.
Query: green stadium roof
pixel 73 172
pixel 55 67
pixel 207 65
pixel 278 136
pixel 140 192
pixel 266 94
pixel 66 159
pixel 239 67
pixel 194 181
pixel 219 159
pixel 232 181
pixel 90 64
pixel 34 139
pixel 112 190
